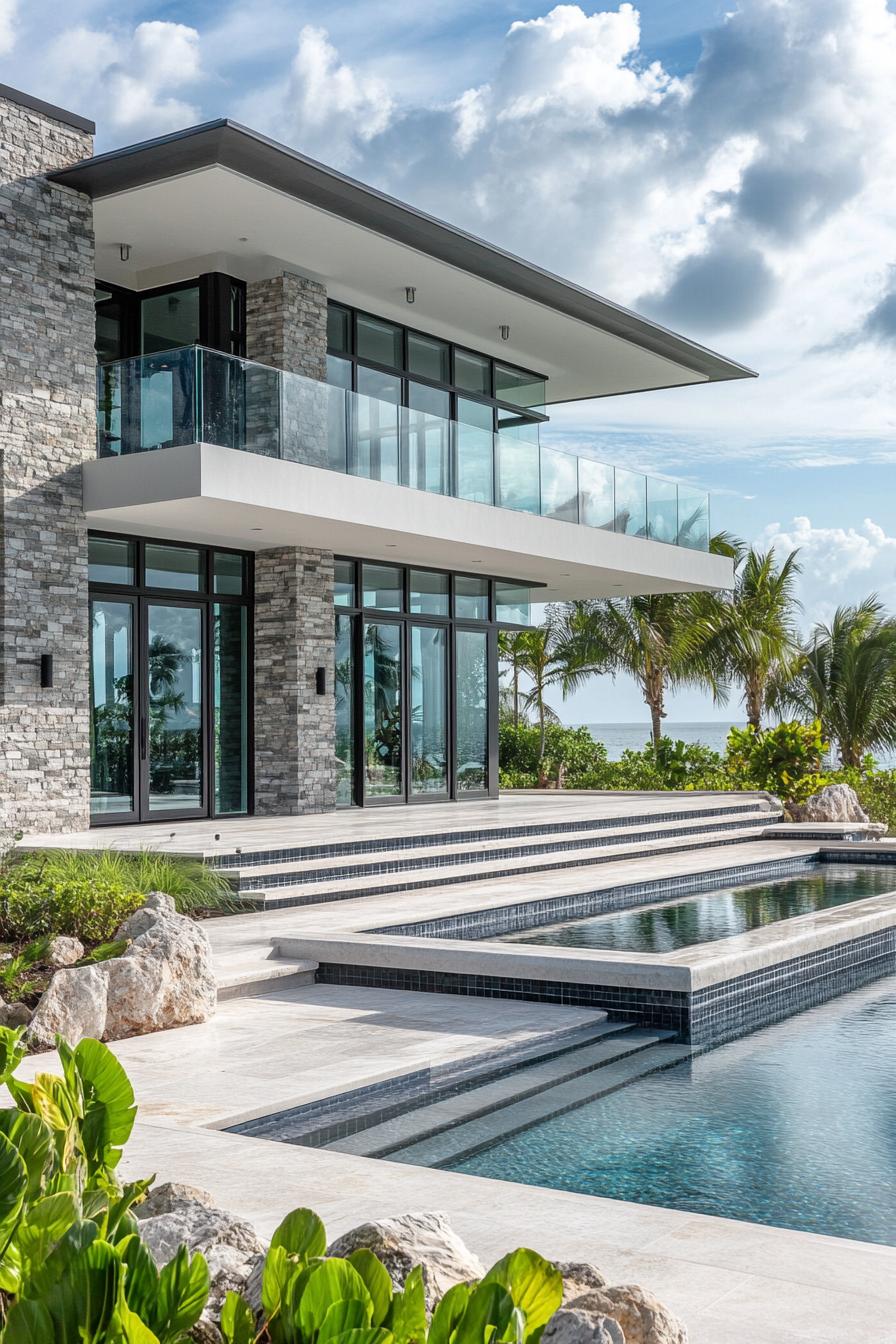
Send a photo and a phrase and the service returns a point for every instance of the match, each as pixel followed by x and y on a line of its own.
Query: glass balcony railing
pixel 195 395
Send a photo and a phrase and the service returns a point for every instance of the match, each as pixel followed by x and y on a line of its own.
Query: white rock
pixel 63 951
pixel 835 802
pixel 15 1014
pixel 426 1239
pixel 644 1319
pixel 164 979
pixel 73 1005
pixel 579 1278
pixel 569 1325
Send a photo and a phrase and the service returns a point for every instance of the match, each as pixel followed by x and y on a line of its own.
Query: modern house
pixel 274 476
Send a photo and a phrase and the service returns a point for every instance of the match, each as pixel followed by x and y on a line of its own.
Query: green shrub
pixel 568 752
pixel 785 760
pixel 38 900
pixel 73 1265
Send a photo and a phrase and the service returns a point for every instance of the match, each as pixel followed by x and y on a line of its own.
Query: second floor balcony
pixel 197 395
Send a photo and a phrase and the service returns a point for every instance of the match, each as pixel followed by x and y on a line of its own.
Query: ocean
pixel 620 737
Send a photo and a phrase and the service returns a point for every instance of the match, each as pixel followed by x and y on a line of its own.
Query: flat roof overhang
pixel 205 493
pixel 221 196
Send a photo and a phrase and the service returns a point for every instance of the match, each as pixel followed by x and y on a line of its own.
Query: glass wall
pixel 170 673
pixel 416 681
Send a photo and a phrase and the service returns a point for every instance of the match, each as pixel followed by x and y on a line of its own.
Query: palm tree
pixel 847 679
pixel 510 651
pixel 662 640
pixel 755 635
pixel 541 656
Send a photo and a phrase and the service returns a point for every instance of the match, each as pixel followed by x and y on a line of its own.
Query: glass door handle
pixel 143 737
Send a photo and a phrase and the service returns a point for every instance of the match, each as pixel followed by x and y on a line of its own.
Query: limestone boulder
pixel 164 978
pixel 570 1325
pixel 427 1239
pixel 73 1005
pixel 642 1317
pixel 579 1278
pixel 835 802
pixel 62 951
pixel 15 1014
pixel 176 1215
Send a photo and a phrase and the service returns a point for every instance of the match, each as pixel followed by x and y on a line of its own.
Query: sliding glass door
pixel 428 695
pixel 383 756
pixel 173 746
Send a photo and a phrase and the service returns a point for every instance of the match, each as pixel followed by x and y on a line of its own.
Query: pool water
pixel 793 1126
pixel 722 913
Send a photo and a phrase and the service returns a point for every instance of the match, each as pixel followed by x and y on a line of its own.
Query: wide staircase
pixel 341 870
pixel 440 1120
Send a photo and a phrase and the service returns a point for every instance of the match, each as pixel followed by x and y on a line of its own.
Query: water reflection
pixel 710 915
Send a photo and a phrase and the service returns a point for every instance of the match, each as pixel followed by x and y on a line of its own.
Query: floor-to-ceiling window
pixel 416 682
pixel 170 679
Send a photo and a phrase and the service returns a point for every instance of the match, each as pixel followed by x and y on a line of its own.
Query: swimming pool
pixel 794 1126
pixel 721 913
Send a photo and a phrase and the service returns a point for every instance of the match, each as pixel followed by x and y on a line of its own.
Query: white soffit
pixel 180 225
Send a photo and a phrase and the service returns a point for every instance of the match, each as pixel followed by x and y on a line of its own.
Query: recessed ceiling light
pixel 254 529
pixel 390 545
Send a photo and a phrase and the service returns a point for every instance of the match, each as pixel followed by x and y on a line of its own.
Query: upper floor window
pixel 383 359
pixel 210 310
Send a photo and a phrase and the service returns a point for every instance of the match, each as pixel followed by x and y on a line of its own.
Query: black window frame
pixel 139 593
pixel 216 292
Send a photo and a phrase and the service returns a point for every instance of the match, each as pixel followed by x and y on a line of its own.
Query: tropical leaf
pixel 13 1185
pixel 34 1142
pixel 83 1302
pixel 448 1313
pixel 329 1282
pixel 488 1314
pixel 534 1284
pixel 29 1323
pixel 12 1052
pixel 45 1224
pixel 301 1234
pixel 183 1292
pixel 73 1244
pixel 237 1320
pixel 407 1319
pixel 350 1313
pixel 371 1335
pixel 141 1280
pixel 376 1281
pixel 109 1109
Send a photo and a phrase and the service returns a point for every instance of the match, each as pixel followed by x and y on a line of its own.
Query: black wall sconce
pixel 320 680
pixel 46 671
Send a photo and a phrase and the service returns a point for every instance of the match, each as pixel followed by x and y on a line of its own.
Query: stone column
pixel 47 431
pixel 295 728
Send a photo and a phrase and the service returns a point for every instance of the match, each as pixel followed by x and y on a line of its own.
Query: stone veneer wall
pixel 47 430
pixel 295 728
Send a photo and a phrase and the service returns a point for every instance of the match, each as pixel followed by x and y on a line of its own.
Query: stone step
pixel 421 879
pixel 715 806
pixel 413 1126
pixel 453 1145
pixel 267 977
pixel 292 873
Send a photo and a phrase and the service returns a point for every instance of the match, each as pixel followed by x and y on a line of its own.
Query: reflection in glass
pixel 512 604
pixel 173 567
pixel 631 502
pixel 110 560
pixel 470 598
pixel 377 417
pixel 231 762
pixel 229 573
pixel 519 388
pixel 383 587
pixel 473 372
pixel 429 709
pixel 693 518
pixel 559 485
pixel 344 688
pixel 344 583
pixel 518 473
pixel 338 328
pixel 471 690
pixel 111 707
pixel 382 710
pixel 596 493
pixel 429 593
pixel 662 510
pixel 379 342
pixel 426 439
pixel 174 676
pixel 169 320
pixel 475 448
pixel 429 357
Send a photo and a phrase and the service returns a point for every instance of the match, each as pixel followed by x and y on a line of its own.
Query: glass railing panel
pixel 147 403
pixel 596 494
pixel 559 485
pixel 426 451
pixel 475 463
pixel 693 518
pixel 631 502
pixel 375 440
pixel 197 395
pixel 662 510
pixel 517 473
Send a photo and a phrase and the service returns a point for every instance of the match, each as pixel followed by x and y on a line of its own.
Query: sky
pixel 724 168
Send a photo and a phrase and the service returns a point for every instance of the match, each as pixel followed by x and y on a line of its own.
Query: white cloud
pixel 133 81
pixel 841 565
pixel 7 25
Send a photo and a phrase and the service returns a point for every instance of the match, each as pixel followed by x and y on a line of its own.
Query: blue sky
pixel 725 168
